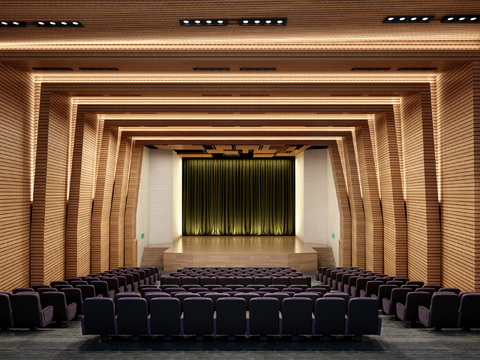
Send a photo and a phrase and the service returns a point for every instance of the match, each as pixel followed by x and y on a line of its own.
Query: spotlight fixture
pixel 13 24
pixel 409 19
pixel 203 22
pixel 263 22
pixel 459 19
pixel 52 69
pixel 58 24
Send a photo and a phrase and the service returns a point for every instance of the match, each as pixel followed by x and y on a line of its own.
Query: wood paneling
pixel 423 218
pixel 371 201
pixel 117 214
pixel 50 191
pixel 345 241
pixel 458 109
pixel 80 201
pixel 100 251
pixel 131 207
pixel 393 209
pixel 17 107
pixel 356 203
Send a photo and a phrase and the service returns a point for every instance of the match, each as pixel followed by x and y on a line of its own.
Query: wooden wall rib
pixel 371 201
pixel 356 203
pixel 131 206
pixel 393 209
pixel 50 190
pixel 80 202
pixel 342 162
pixel 345 241
pixel 458 91
pixel 117 215
pixel 17 97
pixel 424 238
pixel 100 252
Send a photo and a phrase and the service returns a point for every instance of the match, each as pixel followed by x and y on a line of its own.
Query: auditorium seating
pixel 408 311
pixel 61 310
pixel 28 312
pixel 442 313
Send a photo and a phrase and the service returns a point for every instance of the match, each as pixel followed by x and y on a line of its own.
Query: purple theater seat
pixel 74 296
pixel 18 290
pixel 182 296
pixel 44 290
pixel 409 310
pixel 469 311
pixel 313 296
pixel 88 291
pixel 247 297
pixel 384 292
pixel 262 280
pixel 132 317
pixel 61 310
pixel 330 316
pixel 165 317
pixel 297 316
pixel 53 283
pixel 371 288
pixel 436 287
pixel 126 295
pixel 101 287
pixel 362 318
pixel 301 280
pixel 170 280
pixel 215 297
pixel 231 317
pixel 6 315
pixel 99 318
pixel 419 283
pixel 389 306
pixel 204 280
pixel 454 290
pixel 443 311
pixel 198 316
pixel 36 287
pixel 245 281
pixel 28 313
pixel 264 316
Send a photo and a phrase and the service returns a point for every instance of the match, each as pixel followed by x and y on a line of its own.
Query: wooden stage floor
pixel 240 251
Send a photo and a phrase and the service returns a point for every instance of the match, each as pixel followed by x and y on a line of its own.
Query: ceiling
pixel 308 83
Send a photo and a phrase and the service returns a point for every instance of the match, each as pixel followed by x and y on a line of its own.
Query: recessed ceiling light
pixel 461 19
pixel 13 23
pixel 263 22
pixel 204 22
pixel 409 19
pixel 58 24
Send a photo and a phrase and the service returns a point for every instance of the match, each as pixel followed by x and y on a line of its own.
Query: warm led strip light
pixel 236 101
pixel 252 139
pixel 222 130
pixel 239 78
pixel 236 116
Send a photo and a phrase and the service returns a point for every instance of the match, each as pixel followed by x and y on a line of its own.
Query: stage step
pixel 153 255
pixel 324 254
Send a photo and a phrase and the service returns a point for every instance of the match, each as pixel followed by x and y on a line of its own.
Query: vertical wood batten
pixel 80 201
pixel 393 208
pixel 17 108
pixel 371 201
pixel 424 238
pixel 50 190
pixel 345 241
pixel 100 251
pixel 356 203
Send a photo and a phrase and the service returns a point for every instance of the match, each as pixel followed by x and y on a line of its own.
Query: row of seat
pixel 230 316
pixel 240 280
pixel 236 271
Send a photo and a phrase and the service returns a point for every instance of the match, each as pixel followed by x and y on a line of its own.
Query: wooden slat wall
pixel 100 252
pixel 458 92
pixel 50 190
pixel 356 203
pixel 400 145
pixel 424 238
pixel 79 214
pixel 345 241
pixel 436 138
pixel 371 201
pixel 131 206
pixel 342 162
pixel 17 96
pixel 117 215
pixel 394 221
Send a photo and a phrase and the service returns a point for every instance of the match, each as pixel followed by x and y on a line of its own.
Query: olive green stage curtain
pixel 238 197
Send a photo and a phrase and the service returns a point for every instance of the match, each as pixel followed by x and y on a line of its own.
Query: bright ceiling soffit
pixel 350 100
pixel 237 116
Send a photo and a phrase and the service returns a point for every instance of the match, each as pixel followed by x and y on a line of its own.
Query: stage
pixel 240 251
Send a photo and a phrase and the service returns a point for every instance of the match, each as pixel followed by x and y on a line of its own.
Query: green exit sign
pixel 143 235
pixel 333 236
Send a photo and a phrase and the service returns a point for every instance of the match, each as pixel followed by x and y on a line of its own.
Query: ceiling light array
pixel 241 22
pixel 461 19
pixel 458 19
pixel 41 23
pixel 409 19
pixel 13 23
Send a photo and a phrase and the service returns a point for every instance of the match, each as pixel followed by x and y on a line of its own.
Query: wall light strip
pixel 58 23
pixel 13 24
pixel 408 19
pixel 203 22
pixel 461 19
